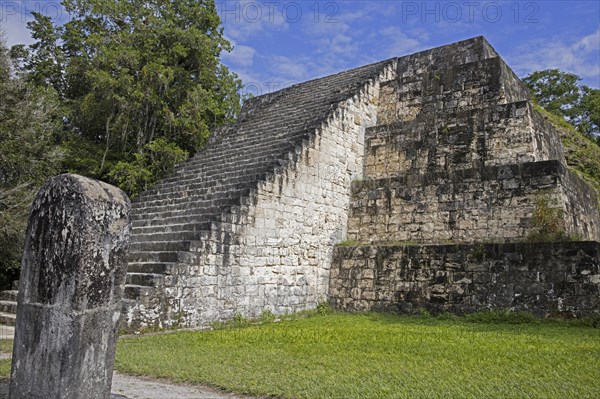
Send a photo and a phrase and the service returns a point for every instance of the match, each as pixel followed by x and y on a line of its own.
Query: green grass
pixel 6 345
pixel 492 355
pixel 5 365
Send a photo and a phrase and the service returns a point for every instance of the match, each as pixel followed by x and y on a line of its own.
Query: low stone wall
pixel 545 279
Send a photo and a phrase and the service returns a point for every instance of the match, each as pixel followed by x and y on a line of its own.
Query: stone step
pixel 201 228
pixel 145 279
pixel 159 246
pixel 213 165
pixel 137 292
pixel 227 164
pixel 144 215
pixel 236 195
pixel 200 187
pixel 202 215
pixel 231 165
pixel 9 307
pixel 153 256
pixel 9 295
pixel 201 218
pixel 152 267
pixel 169 236
pixel 196 197
pixel 8 319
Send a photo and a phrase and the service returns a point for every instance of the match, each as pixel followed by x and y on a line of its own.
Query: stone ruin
pixel 430 165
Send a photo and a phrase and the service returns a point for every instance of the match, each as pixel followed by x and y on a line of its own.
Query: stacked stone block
pixel 249 223
pixel 437 147
pixel 547 279
pixel 460 159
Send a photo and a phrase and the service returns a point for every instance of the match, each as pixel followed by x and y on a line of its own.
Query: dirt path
pixel 127 387
pixel 145 388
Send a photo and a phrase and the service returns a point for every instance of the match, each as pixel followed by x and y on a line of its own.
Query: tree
pixel 133 71
pixel 590 108
pixel 559 93
pixel 30 122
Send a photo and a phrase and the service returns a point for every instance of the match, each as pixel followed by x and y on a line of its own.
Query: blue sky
pixel 278 43
pixel 281 42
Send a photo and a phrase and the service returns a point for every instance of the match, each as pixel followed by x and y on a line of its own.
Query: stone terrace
pixel 434 146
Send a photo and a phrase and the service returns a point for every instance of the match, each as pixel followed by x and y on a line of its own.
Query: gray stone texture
pixel 435 146
pixel 73 273
pixel 547 279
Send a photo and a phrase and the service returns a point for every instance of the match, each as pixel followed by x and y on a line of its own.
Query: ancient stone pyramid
pixel 431 165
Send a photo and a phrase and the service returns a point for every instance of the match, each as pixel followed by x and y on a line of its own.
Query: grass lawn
pixel 6 345
pixel 378 356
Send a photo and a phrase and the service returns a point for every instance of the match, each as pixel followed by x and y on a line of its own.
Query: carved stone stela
pixel 72 278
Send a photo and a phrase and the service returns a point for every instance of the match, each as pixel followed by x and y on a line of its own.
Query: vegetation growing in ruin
pixel 493 354
pixel 581 152
pixel 575 112
pixel 547 223
pixel 560 94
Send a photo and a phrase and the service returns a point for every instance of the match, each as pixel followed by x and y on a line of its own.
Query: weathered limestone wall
pixel 495 135
pixel 494 203
pixel 460 117
pixel 545 279
pixel 275 253
pixel 580 207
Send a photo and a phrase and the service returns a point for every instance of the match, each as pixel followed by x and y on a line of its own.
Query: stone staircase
pixel 8 306
pixel 173 222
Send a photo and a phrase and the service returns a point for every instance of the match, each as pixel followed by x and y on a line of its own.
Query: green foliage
pixel 581 152
pixel 547 222
pixel 6 345
pixel 131 73
pixel 379 356
pixel 155 162
pixel 559 93
pixel 267 317
pixel 5 366
pixel 324 308
pixel 349 243
pixel 590 108
pixel 30 122
pixel 554 90
pixel 134 70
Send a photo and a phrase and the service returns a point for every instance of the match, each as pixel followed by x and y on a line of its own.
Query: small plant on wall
pixel 547 222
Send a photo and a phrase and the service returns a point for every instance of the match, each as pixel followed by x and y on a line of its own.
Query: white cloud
pixel 246 19
pixel 241 56
pixel 397 43
pixel 288 68
pixel 577 55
